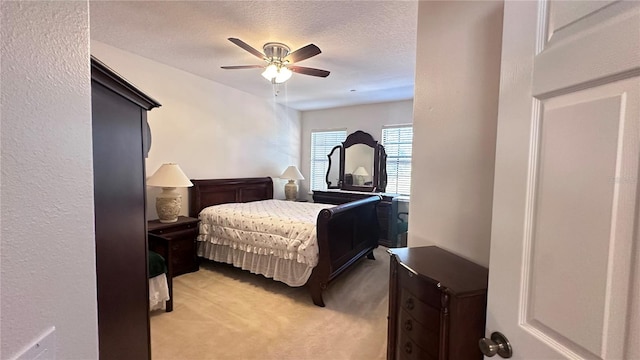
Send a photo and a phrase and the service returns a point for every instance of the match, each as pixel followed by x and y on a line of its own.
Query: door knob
pixel 498 344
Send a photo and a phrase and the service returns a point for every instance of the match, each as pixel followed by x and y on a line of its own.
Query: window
pixel 397 141
pixel 321 144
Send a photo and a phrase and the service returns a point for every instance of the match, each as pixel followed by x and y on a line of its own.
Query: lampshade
pixel 270 72
pixel 169 175
pixel 292 173
pixel 277 74
pixel 283 75
pixel 361 171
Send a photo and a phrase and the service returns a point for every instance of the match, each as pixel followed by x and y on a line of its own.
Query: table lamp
pixel 169 177
pixel 291 189
pixel 360 173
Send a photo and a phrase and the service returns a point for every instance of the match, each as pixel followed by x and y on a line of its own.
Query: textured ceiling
pixel 369 46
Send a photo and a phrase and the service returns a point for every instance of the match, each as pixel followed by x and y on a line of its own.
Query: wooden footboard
pixel 345 234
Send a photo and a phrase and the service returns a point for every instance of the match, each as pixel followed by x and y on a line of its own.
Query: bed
pixel 343 234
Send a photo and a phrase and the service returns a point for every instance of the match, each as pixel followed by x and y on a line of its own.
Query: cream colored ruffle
pixel 287 271
pixel 158 292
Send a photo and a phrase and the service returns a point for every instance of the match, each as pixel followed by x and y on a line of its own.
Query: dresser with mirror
pixel 357 169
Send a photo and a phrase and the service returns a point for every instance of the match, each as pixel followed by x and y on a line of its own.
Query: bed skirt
pixel 289 272
pixel 158 292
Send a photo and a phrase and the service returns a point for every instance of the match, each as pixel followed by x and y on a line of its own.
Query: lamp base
pixel 291 191
pixel 168 204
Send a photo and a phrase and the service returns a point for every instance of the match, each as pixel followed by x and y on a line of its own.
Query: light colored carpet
pixel 221 312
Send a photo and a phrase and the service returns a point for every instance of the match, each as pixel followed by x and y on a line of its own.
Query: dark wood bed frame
pixel 345 232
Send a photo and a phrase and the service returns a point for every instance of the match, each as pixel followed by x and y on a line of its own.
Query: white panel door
pixel 564 267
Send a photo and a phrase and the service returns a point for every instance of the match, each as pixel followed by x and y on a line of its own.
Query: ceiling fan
pixel 279 59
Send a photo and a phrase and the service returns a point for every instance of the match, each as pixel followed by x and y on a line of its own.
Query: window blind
pixel 397 141
pixel 321 144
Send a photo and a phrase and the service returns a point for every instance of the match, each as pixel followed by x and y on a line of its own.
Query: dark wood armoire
pixel 437 305
pixel 120 142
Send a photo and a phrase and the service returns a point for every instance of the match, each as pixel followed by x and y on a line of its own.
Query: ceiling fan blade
pixel 248 48
pixel 309 71
pixel 303 53
pixel 243 67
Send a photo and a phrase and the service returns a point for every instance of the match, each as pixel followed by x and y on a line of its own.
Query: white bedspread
pixel 283 229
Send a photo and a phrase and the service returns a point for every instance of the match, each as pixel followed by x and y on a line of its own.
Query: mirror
pixel 333 177
pixel 359 164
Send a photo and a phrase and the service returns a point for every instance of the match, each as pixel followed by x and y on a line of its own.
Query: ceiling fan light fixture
pixel 277 74
pixel 280 60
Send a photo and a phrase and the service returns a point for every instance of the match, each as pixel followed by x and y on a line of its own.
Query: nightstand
pixel 177 242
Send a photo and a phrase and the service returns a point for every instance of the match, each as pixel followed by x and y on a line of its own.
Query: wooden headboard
pixel 210 192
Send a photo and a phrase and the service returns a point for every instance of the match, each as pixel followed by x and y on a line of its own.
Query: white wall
pixel 369 118
pixel 456 109
pixel 48 253
pixel 209 129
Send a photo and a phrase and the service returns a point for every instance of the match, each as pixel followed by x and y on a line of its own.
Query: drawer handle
pixel 409 304
pixel 408 325
pixel 408 348
pixel 175 247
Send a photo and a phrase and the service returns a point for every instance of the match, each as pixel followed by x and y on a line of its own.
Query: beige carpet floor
pixel 221 312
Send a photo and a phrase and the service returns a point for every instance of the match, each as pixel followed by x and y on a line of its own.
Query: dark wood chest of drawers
pixel 177 243
pixel 437 305
pixel 383 209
